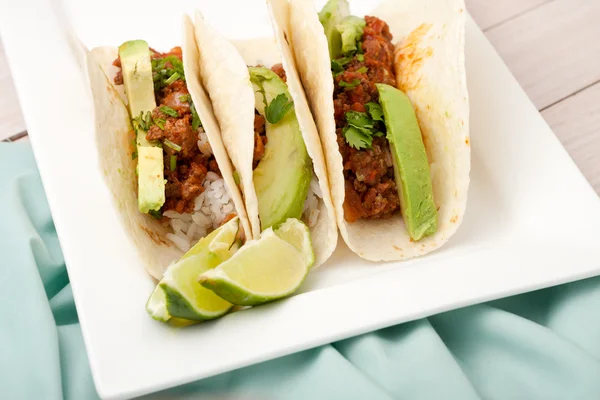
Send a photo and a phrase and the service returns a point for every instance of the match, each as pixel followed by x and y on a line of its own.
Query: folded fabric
pixel 541 345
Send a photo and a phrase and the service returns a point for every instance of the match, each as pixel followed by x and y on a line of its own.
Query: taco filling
pixel 385 164
pixel 196 199
pixel 370 184
pixel 260 131
pixel 282 168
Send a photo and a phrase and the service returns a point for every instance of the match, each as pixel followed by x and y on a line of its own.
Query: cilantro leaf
pixel 196 122
pixel 357 138
pixel 360 130
pixel 343 60
pixel 359 120
pixel 155 214
pixel 336 67
pixel 362 70
pixel 353 84
pixel 169 111
pixel 360 57
pixel 258 80
pixel 278 107
pixel 375 110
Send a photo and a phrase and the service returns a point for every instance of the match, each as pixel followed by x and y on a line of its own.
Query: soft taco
pixel 389 96
pixel 160 148
pixel 269 133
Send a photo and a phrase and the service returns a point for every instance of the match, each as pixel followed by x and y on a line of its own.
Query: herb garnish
pixel 357 138
pixel 169 111
pixel 336 67
pixel 172 78
pixel 173 163
pixel 160 122
pixel 278 107
pixel 375 110
pixel 185 98
pixel 155 214
pixel 196 122
pixel 164 70
pixel 143 121
pixel 353 84
pixel 362 70
pixel 362 128
pixel 172 145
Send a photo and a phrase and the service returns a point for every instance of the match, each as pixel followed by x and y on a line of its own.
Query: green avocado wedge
pixel 283 175
pixel 411 165
pixel 139 88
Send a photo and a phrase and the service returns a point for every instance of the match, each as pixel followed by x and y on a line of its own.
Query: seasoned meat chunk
pixel 260 138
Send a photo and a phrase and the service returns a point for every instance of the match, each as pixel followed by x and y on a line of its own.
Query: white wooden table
pixel 551 46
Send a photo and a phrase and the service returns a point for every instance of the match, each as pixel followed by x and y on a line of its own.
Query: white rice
pixel 310 215
pixel 203 144
pixel 210 207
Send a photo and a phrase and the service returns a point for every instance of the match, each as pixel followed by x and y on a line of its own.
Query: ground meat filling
pixel 278 69
pixel 260 138
pixel 185 169
pixel 260 133
pixel 370 186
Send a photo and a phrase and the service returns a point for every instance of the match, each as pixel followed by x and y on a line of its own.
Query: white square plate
pixel 532 220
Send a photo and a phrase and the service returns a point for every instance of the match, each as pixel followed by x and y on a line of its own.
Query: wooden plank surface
pixel 576 121
pixel 489 13
pixel 553 50
pixel 551 46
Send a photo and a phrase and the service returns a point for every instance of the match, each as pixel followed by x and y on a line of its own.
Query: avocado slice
pixel 411 165
pixel 139 88
pixel 282 177
pixel 330 17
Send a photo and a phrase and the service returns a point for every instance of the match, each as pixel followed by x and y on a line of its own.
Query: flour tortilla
pixel 430 68
pixel 115 136
pixel 225 75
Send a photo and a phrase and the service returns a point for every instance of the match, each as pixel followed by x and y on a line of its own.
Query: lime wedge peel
pixel 264 270
pixel 298 236
pixel 157 305
pixel 178 294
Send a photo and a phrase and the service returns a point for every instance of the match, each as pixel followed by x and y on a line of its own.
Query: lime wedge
pixel 178 294
pixel 292 233
pixel 266 269
pixel 157 305
pixel 221 238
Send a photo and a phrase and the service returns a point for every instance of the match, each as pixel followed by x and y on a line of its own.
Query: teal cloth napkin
pixel 541 345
